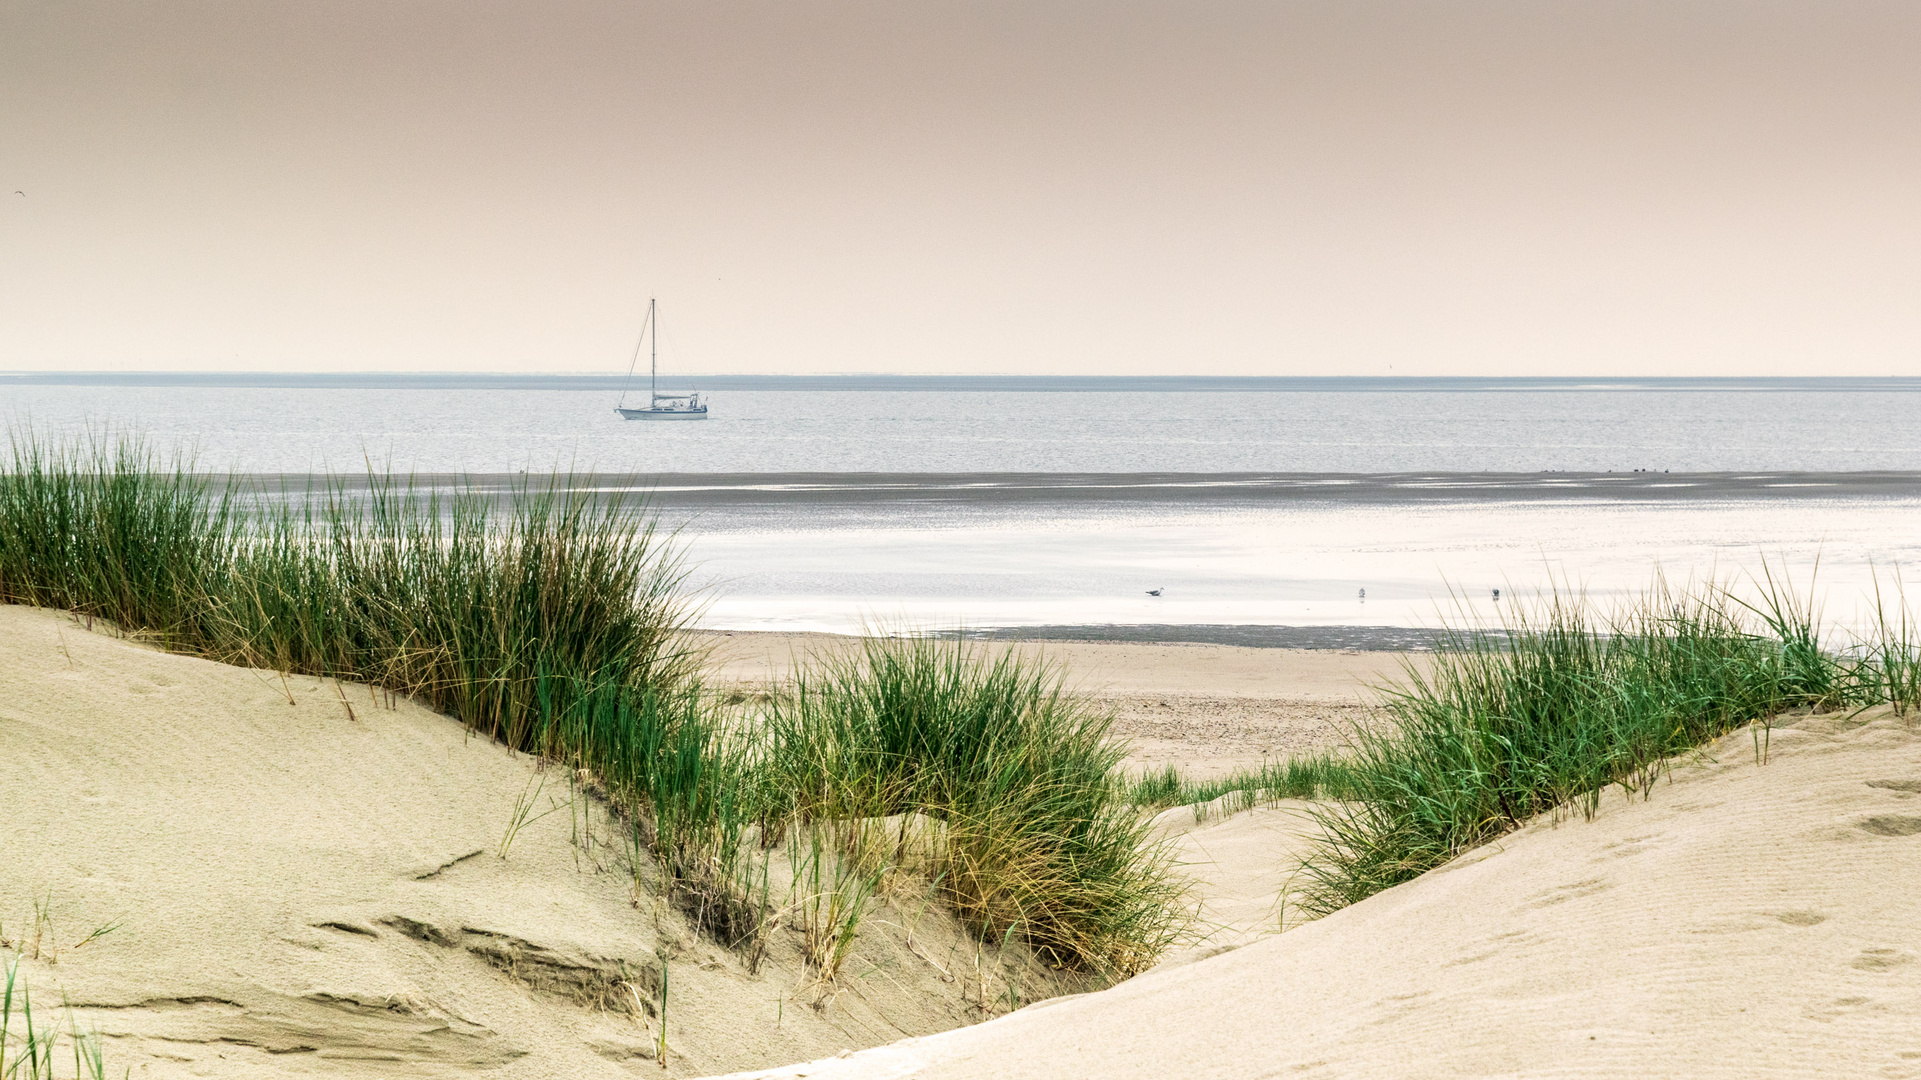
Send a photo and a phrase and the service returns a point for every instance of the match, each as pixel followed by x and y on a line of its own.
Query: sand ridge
pixel 1747 920
pixel 306 879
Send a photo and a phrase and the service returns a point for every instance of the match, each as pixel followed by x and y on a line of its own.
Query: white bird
pixel 1153 592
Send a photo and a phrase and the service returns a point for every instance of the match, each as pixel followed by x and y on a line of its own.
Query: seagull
pixel 1153 592
pixel 1363 594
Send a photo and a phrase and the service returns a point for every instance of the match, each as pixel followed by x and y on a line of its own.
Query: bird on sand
pixel 1153 592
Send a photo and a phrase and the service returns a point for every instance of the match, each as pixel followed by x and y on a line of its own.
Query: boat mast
pixel 653 357
pixel 639 340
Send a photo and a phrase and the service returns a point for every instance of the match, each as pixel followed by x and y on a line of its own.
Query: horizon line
pixel 855 381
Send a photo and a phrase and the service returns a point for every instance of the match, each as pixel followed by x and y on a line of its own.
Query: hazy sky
pixel 1195 186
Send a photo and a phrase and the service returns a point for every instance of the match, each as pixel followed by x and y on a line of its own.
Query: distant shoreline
pixel 1297 384
pixel 703 490
pixel 1297 638
pixel 1396 639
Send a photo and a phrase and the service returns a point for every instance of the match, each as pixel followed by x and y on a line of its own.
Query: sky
pixel 1220 187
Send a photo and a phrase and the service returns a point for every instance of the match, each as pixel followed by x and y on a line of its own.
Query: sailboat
pixel 659 406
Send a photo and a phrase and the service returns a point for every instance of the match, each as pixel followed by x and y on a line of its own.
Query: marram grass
pixel 1016 779
pixel 30 1048
pixel 453 599
pixel 1313 776
pixel 1568 703
pixel 549 618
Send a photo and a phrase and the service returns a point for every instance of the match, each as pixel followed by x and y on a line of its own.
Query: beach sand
pixel 304 879
pixel 1746 921
pixel 1206 709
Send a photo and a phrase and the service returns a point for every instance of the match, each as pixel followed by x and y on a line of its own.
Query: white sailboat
pixel 659 406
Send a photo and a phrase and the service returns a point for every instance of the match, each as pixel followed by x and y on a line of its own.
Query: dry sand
pixel 301 891
pixel 1746 921
pixel 1206 709
pixel 307 889
pixel 1241 867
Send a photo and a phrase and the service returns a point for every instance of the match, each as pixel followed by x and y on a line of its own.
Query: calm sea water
pixel 992 555
pixel 1385 428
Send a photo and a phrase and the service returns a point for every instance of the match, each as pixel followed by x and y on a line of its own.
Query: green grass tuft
pixel 1017 778
pixel 28 1050
pixel 1567 704
pixel 548 618
pixel 1316 776
pixel 471 603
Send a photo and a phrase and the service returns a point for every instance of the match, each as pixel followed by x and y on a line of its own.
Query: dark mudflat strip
pixel 694 490
pixel 1358 638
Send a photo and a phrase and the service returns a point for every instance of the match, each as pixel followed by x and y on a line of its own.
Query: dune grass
pixel 1568 704
pixel 30 1049
pixel 549 617
pixel 1312 776
pixel 1013 780
pixel 1888 664
pixel 468 605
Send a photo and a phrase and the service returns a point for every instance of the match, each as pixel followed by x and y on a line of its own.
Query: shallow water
pixel 1291 565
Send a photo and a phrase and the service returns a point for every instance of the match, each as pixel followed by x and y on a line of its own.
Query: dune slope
pixel 303 878
pixel 1747 920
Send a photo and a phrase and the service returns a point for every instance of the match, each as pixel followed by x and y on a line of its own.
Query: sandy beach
pixel 297 877
pixel 305 878
pixel 1205 709
pixel 1745 921
pixel 302 875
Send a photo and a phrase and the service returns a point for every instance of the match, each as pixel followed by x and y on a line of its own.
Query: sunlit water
pixel 1299 565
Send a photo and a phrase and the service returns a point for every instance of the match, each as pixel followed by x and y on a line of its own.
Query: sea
pixel 1314 512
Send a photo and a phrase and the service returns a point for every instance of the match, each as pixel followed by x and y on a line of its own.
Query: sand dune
pixel 1746 921
pixel 306 877
pixel 1241 867
pixel 307 881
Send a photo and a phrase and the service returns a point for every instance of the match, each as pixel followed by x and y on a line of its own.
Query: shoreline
pixel 1309 638
pixel 691 490
pixel 1329 637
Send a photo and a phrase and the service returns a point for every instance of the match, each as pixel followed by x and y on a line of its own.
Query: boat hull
pixel 664 414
